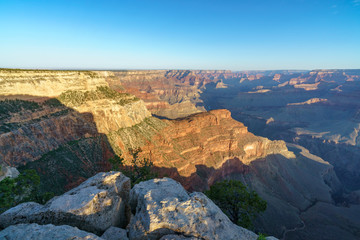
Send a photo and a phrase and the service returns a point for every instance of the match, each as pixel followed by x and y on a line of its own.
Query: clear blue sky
pixel 180 34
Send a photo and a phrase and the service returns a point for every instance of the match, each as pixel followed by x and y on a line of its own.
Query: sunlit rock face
pixel 171 94
pixel 27 134
pixel 46 83
pixel 162 207
pixel 63 132
pixel 45 232
pixel 209 143
pixel 94 206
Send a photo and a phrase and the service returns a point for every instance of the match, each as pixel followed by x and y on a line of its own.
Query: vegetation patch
pixel 7 107
pixel 139 170
pixel 237 202
pixel 24 188
pixel 66 166
pixel 77 98
pixel 137 135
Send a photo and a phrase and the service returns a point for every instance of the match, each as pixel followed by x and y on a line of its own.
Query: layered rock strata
pixel 46 83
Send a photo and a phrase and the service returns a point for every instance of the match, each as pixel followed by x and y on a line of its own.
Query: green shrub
pixel 53 102
pixel 239 204
pixel 139 170
pixel 23 188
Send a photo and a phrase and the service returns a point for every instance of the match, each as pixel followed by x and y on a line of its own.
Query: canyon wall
pixel 73 128
pixel 46 83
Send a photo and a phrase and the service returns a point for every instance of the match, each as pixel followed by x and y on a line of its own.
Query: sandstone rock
pixel 45 232
pixel 95 205
pixel 114 233
pixel 163 207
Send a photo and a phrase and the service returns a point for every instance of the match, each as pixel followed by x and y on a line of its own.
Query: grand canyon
pixel 291 136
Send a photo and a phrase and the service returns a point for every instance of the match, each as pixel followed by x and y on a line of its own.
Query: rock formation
pixel 45 232
pixel 161 207
pixel 95 205
pixel 6 171
pixel 210 140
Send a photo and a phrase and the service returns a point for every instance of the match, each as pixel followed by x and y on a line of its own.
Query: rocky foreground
pixel 104 207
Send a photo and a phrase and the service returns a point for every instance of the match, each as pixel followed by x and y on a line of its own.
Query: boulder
pixel 162 207
pixel 7 171
pixel 115 233
pixel 45 232
pixel 94 206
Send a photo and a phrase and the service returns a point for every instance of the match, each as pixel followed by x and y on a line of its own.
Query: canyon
pixel 198 127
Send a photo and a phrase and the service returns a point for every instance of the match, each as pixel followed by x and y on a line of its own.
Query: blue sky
pixel 180 34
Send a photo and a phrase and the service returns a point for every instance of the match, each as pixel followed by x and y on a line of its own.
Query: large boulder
pixel 162 207
pixel 45 232
pixel 94 206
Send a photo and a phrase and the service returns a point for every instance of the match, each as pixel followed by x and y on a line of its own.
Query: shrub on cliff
pixel 23 188
pixel 237 202
pixel 139 170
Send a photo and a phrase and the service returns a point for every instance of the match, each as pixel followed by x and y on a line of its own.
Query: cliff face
pixel 68 132
pixel 209 140
pixel 170 94
pixel 86 109
pixel 47 83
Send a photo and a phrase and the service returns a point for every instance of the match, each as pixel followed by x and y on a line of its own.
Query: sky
pixel 180 34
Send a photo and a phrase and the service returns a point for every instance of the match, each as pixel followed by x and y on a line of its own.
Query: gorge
pixel 292 136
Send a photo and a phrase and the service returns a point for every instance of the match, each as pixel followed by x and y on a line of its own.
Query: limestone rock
pixel 115 233
pixel 162 207
pixel 45 232
pixel 47 83
pixel 7 171
pixel 95 205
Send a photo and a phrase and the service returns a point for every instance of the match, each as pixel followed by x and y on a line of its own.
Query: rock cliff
pixel 209 140
pixel 46 83
pixel 62 119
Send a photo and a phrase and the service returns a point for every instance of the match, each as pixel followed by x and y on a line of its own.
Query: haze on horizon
pixel 186 34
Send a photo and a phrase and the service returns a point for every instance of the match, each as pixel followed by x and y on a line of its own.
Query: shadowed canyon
pixel 292 136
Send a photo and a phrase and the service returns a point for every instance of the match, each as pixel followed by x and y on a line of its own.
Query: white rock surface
pixel 45 232
pixel 7 171
pixel 95 205
pixel 115 233
pixel 162 207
